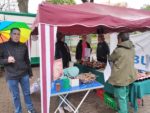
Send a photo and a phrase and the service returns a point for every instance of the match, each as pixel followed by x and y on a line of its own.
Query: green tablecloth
pixel 99 76
pixel 139 90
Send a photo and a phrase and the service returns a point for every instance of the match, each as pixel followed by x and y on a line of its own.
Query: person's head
pixel 84 38
pixel 123 37
pixel 60 36
pixel 15 34
pixel 101 38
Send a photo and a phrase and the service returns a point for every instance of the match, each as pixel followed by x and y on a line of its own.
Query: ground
pixel 92 104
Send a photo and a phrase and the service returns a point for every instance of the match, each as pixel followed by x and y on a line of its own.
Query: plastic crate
pixel 110 101
pixel 100 94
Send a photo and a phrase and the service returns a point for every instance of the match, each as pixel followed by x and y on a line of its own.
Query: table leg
pixel 70 103
pixel 76 110
pixel 64 100
pixel 142 102
pixel 60 103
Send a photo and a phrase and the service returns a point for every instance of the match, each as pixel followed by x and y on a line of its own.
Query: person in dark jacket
pixel 102 51
pixel 14 58
pixel 80 49
pixel 62 50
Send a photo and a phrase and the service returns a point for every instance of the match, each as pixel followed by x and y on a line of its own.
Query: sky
pixel 137 4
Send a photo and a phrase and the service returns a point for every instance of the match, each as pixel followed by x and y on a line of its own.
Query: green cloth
pixel 122 96
pixel 138 90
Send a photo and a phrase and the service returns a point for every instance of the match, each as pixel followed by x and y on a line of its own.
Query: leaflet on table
pixel 57 69
pixel 107 71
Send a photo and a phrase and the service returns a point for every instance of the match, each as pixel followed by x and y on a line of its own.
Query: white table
pixel 63 93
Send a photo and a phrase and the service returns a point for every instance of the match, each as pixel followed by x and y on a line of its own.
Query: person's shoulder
pixel 119 50
pixel 59 43
pixel 80 41
pixel 65 43
pixel 105 43
pixel 88 44
pixel 22 44
pixel 3 44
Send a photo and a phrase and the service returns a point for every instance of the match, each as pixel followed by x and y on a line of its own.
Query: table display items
pixel 66 83
pixel 142 76
pixel 86 77
pixel 93 64
pixel 58 87
pixel 72 73
pixel 72 78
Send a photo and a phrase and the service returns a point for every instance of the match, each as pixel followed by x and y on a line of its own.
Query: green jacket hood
pixel 126 44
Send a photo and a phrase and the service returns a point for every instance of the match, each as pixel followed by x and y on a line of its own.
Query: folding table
pixel 63 93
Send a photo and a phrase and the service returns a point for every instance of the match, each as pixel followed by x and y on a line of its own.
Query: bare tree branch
pixel 23 5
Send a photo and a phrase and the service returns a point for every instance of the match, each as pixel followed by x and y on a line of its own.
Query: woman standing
pixel 81 47
pixel 62 50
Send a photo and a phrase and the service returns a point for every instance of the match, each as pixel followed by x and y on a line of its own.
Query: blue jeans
pixel 14 89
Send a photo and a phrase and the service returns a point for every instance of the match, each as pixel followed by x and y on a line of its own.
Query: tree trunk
pixel 92 1
pixel 84 1
pixel 87 1
pixel 23 5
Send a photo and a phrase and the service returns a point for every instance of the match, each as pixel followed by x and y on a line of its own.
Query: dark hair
pixel 123 36
pixel 59 36
pixel 100 30
pixel 11 30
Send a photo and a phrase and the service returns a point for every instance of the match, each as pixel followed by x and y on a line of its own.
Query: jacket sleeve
pixel 69 54
pixel 89 46
pixel 26 58
pixel 3 61
pixel 114 56
pixel 57 53
pixel 77 51
pixel 107 49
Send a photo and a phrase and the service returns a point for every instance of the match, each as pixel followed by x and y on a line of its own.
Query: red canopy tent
pixel 86 18
pixel 79 19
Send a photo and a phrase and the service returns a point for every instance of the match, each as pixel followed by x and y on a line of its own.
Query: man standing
pixel 102 51
pixel 14 57
pixel 123 72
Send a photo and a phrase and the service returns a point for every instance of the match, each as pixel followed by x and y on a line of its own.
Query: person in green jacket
pixel 123 71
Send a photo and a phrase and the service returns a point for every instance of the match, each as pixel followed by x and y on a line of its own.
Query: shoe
pixel 68 108
pixel 61 110
pixel 32 111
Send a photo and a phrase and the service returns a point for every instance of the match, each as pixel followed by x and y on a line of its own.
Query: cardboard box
pixel 74 82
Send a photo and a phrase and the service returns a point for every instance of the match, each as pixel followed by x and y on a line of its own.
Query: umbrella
pixel 6 26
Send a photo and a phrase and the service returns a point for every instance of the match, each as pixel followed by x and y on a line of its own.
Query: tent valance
pixel 87 18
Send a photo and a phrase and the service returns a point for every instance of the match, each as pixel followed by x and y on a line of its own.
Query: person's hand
pixel 11 59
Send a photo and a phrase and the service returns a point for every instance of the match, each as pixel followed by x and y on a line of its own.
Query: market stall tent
pixel 79 19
